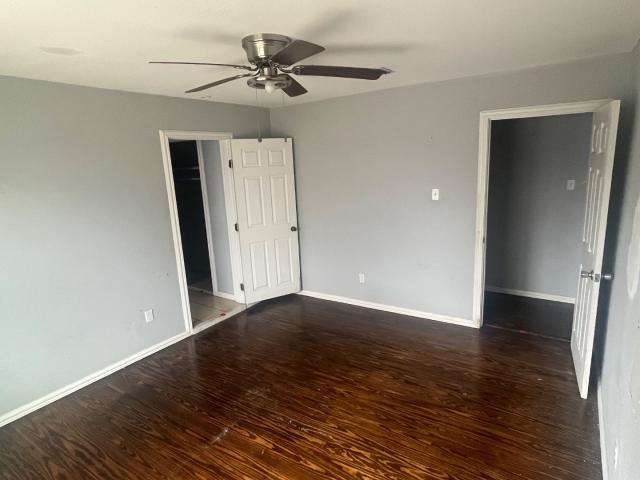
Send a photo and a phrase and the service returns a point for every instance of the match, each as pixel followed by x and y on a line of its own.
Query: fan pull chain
pixel 258 117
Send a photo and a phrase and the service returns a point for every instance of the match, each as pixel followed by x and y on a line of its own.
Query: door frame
pixel 223 139
pixel 484 153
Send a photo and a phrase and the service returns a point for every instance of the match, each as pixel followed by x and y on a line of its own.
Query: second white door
pixel 603 146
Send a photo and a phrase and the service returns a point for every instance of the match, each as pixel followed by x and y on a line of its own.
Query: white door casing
pixel 601 156
pixel 232 219
pixel 267 220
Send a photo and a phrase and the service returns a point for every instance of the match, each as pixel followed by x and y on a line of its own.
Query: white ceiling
pixel 106 43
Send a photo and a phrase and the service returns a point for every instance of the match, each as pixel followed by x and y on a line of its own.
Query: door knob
pixel 596 277
pixel 293 229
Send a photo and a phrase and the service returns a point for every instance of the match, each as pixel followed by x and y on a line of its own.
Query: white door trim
pixel 165 135
pixel 232 218
pixel 484 150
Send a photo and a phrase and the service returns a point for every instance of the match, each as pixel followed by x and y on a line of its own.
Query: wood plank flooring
pixel 529 315
pixel 301 388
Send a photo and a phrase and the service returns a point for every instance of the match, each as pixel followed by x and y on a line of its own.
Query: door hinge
pixel 230 163
pixel 242 287
pixel 237 227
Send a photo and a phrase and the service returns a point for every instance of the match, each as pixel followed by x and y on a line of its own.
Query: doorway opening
pixel 534 231
pixel 537 196
pixel 189 199
pixel 247 198
pixel 203 218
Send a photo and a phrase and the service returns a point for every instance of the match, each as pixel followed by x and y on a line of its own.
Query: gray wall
pixel 217 210
pixel 365 165
pixel 86 239
pixel 86 242
pixel 620 375
pixel 534 222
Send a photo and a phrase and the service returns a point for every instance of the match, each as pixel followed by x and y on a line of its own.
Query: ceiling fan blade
pixel 244 67
pixel 295 88
pixel 295 51
pixel 343 72
pixel 369 48
pixel 219 82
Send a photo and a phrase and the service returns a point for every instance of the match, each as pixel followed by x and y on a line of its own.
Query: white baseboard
pixel 603 446
pixel 83 382
pixel 201 290
pixel 228 296
pixel 389 308
pixel 525 293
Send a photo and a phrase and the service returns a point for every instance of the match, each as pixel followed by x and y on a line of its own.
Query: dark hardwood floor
pixel 300 388
pixel 528 315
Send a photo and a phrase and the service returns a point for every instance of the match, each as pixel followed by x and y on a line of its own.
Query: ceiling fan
pixel 272 59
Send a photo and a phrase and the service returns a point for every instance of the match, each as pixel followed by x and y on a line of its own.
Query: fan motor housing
pixel 260 47
pixel 279 81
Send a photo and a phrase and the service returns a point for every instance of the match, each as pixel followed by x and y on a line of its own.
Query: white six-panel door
pixel 603 144
pixel 267 220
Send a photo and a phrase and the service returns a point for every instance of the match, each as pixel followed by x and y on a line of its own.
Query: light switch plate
pixel 148 315
pixel 435 194
pixel 571 185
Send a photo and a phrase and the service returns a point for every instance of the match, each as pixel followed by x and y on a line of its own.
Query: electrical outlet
pixel 148 315
pixel 571 185
pixel 435 194
pixel 361 277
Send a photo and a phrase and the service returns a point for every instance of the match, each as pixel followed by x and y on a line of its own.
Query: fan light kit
pixel 272 58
